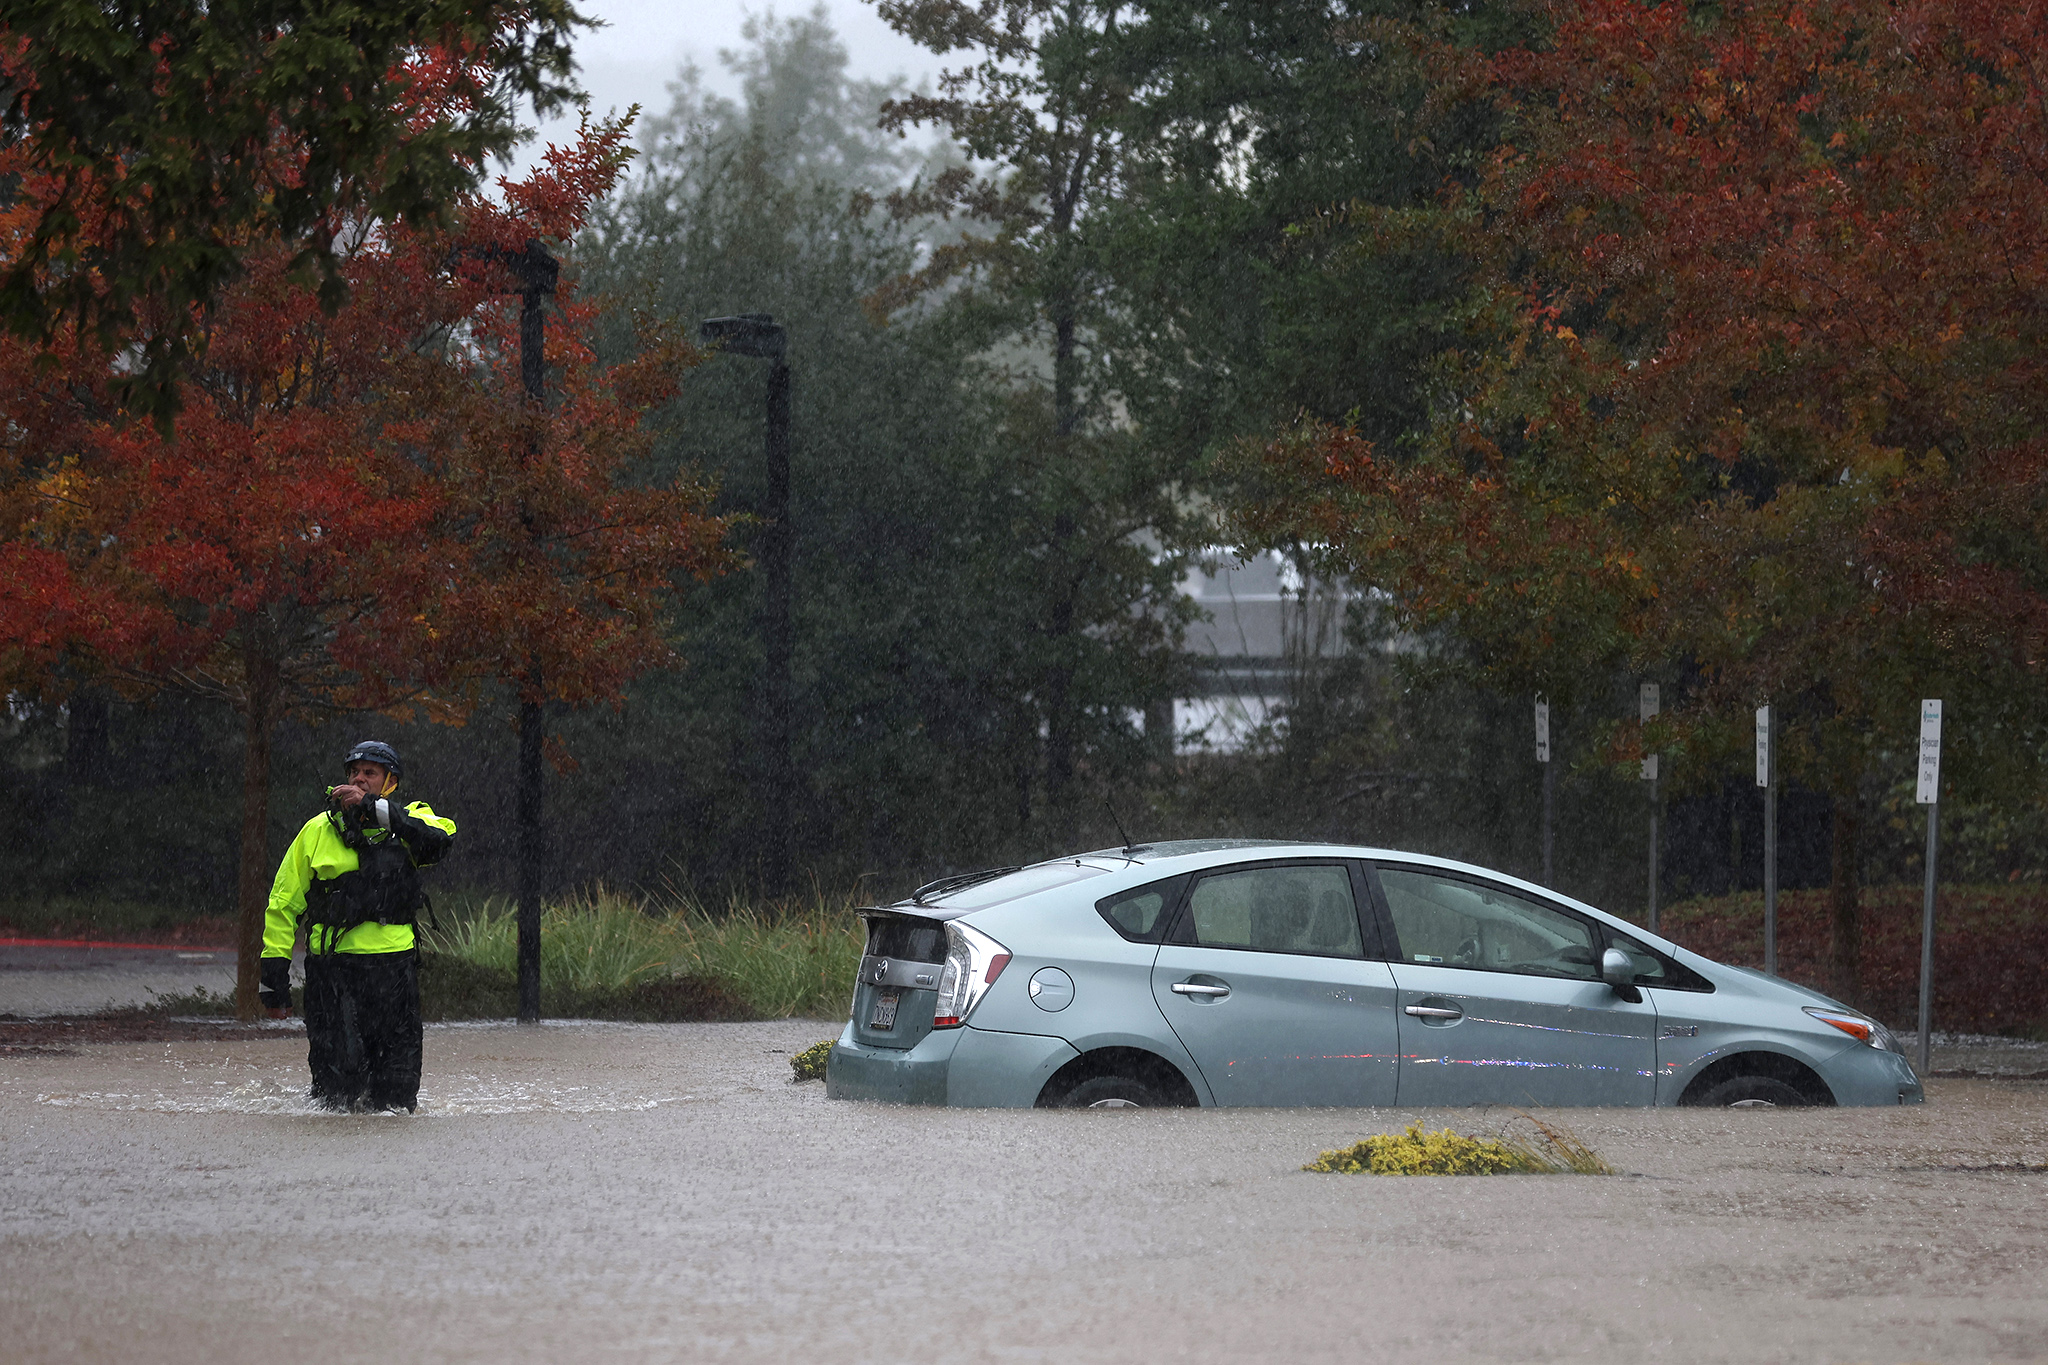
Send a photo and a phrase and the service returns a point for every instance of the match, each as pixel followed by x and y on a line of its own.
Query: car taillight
pixel 973 962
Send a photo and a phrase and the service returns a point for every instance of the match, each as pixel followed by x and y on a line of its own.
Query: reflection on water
pixel 469 1094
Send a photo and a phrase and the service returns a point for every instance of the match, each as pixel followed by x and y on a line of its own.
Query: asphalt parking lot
pixel 595 1192
pixel 42 976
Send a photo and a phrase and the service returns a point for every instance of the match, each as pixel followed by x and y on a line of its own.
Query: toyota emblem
pixel 881 970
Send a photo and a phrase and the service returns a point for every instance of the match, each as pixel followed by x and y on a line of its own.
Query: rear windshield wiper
pixel 959 881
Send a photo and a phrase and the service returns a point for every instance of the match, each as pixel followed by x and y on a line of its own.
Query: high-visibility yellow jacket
pixel 318 851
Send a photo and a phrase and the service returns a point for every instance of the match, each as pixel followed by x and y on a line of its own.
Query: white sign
pixel 1647 705
pixel 1930 752
pixel 1763 746
pixel 1542 731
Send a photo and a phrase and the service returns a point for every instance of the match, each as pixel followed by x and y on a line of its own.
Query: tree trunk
pixel 1059 717
pixel 1024 759
pixel 1066 410
pixel 778 635
pixel 1845 948
pixel 1159 729
pixel 1059 689
pixel 86 750
pixel 258 715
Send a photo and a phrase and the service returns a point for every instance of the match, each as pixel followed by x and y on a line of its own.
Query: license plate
pixel 884 1016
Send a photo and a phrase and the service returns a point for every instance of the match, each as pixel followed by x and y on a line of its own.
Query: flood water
pixel 618 1192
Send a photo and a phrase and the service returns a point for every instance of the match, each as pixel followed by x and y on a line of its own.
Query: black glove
pixel 427 843
pixel 277 983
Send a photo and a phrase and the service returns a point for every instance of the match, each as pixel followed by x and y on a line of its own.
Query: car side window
pixel 1142 913
pixel 1288 909
pixel 1654 969
pixel 1649 967
pixel 1445 921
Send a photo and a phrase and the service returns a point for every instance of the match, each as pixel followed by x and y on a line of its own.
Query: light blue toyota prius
pixel 1251 973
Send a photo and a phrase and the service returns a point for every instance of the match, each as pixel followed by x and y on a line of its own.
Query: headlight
pixel 973 962
pixel 1857 1027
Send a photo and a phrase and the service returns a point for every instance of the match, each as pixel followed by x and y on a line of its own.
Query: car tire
pixel 1753 1092
pixel 1112 1092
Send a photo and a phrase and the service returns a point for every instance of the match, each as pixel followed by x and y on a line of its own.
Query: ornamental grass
pixel 604 950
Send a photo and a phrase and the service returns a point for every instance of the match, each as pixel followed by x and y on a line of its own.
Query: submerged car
pixel 1232 972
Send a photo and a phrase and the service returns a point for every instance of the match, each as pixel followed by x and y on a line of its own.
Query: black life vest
pixel 384 889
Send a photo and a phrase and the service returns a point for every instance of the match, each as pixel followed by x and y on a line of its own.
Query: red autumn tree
pixel 569 565
pixel 172 139
pixel 323 531
pixel 1758 392
pixel 272 555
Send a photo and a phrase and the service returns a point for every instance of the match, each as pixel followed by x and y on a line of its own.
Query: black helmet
pixel 375 751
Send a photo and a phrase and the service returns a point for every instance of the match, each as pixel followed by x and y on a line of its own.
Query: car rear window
pixel 1143 913
pixel 914 940
pixel 1278 909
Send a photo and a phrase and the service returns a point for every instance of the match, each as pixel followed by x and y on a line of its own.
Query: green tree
pixel 161 142
pixel 1259 137
pixel 1038 106
pixel 918 518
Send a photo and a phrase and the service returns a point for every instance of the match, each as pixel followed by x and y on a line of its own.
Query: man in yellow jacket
pixel 352 873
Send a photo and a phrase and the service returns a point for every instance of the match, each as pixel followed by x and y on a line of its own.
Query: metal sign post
pixel 1767 778
pixel 1929 795
pixel 1549 780
pixel 1648 702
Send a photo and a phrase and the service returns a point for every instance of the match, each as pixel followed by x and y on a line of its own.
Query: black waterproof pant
pixel 363 1029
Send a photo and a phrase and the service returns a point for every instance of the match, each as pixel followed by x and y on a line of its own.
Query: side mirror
pixel 1618 970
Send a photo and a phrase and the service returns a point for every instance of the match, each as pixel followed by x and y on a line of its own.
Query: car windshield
pixel 1023 882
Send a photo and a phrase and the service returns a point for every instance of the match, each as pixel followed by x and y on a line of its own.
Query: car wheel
pixel 1753 1092
pixel 1112 1092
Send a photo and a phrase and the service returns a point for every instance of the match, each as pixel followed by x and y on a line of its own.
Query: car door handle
pixel 1193 988
pixel 1433 1012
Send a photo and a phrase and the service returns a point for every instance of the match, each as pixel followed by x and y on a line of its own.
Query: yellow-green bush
pixel 1417 1152
pixel 809 1065
pixel 1555 1150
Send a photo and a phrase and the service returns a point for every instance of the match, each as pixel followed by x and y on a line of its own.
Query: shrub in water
pixel 809 1065
pixel 1554 1151
pixel 1417 1152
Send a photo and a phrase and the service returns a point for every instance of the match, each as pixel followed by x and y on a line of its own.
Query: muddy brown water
pixel 659 1192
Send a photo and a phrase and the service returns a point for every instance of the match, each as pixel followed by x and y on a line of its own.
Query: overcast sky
pixel 632 59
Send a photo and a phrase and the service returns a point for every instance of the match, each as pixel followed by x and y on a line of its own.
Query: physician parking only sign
pixel 1763 746
pixel 1930 752
pixel 1648 703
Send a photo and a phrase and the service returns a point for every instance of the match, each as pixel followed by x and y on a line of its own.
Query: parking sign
pixel 1763 746
pixel 1930 752
pixel 1648 703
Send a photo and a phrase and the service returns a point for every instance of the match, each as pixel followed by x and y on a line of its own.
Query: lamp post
pixel 1648 704
pixel 758 335
pixel 535 270
pixel 1549 779
pixel 1767 778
